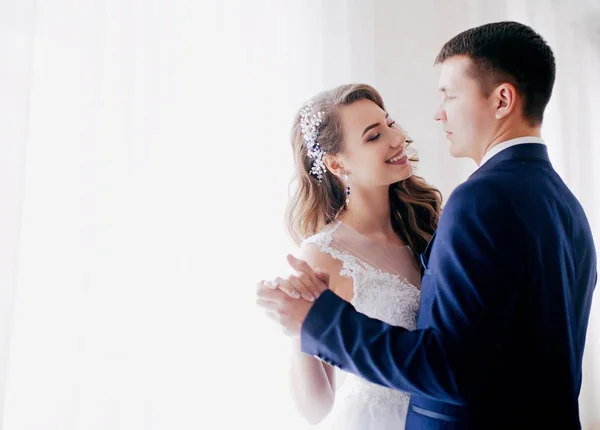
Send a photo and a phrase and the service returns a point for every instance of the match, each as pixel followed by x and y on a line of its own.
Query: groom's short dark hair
pixel 508 52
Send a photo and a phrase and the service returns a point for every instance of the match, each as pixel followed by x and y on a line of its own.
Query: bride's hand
pixel 305 283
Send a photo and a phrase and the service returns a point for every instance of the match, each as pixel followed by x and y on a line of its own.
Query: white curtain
pixel 144 171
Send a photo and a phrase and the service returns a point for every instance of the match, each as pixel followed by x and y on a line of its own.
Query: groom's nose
pixel 439 114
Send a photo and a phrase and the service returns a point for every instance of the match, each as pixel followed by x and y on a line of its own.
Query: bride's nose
pixel 400 139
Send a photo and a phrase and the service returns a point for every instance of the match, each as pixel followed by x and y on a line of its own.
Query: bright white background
pixel 144 170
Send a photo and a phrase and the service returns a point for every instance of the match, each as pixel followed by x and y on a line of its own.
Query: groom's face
pixel 465 112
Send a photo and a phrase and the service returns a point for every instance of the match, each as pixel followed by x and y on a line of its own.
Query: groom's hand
pixel 279 298
pixel 305 283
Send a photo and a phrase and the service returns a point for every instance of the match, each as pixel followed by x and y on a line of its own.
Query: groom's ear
pixel 333 164
pixel 505 100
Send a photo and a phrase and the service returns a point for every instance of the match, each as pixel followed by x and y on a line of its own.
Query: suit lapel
pixel 424 257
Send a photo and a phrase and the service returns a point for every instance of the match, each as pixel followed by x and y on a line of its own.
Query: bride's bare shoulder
pixel 317 253
pixel 317 258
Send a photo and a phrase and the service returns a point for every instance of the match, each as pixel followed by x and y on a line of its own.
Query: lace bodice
pixel 381 288
pixel 384 287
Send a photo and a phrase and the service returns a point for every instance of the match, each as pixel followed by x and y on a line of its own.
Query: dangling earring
pixel 345 176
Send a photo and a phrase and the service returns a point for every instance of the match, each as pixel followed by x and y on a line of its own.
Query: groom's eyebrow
pixel 369 127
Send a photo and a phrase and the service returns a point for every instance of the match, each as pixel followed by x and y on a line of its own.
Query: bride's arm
pixel 313 385
pixel 313 381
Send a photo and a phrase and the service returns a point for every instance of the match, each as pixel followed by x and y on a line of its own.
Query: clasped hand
pixel 288 300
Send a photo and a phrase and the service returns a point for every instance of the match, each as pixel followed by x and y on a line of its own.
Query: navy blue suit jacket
pixel 505 300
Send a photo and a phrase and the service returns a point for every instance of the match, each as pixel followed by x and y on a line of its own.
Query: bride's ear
pixel 333 164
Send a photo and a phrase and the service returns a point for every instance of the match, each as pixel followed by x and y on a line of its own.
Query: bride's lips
pixel 397 159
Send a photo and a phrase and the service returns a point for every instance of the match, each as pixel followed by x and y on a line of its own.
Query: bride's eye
pixel 374 138
pixel 391 123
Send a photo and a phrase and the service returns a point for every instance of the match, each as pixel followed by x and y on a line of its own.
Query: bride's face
pixel 373 146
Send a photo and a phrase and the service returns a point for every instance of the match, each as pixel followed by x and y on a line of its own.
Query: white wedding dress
pixel 385 286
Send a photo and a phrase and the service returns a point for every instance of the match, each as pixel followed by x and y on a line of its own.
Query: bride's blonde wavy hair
pixel 415 205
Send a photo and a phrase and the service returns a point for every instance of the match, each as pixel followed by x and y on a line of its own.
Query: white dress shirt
pixel 507 144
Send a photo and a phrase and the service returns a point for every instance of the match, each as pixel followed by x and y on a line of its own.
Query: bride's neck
pixel 369 212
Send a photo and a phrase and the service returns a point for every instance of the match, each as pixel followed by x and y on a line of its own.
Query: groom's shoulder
pixel 478 203
pixel 477 190
pixel 478 197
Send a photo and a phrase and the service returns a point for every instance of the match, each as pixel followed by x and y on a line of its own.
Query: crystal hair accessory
pixel 309 124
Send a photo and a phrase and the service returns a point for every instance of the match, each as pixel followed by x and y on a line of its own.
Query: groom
pixel 507 278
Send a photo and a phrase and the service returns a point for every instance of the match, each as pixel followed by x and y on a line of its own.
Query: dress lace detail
pixel 379 294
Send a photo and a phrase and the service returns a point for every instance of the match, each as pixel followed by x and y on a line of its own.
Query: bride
pixel 361 215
